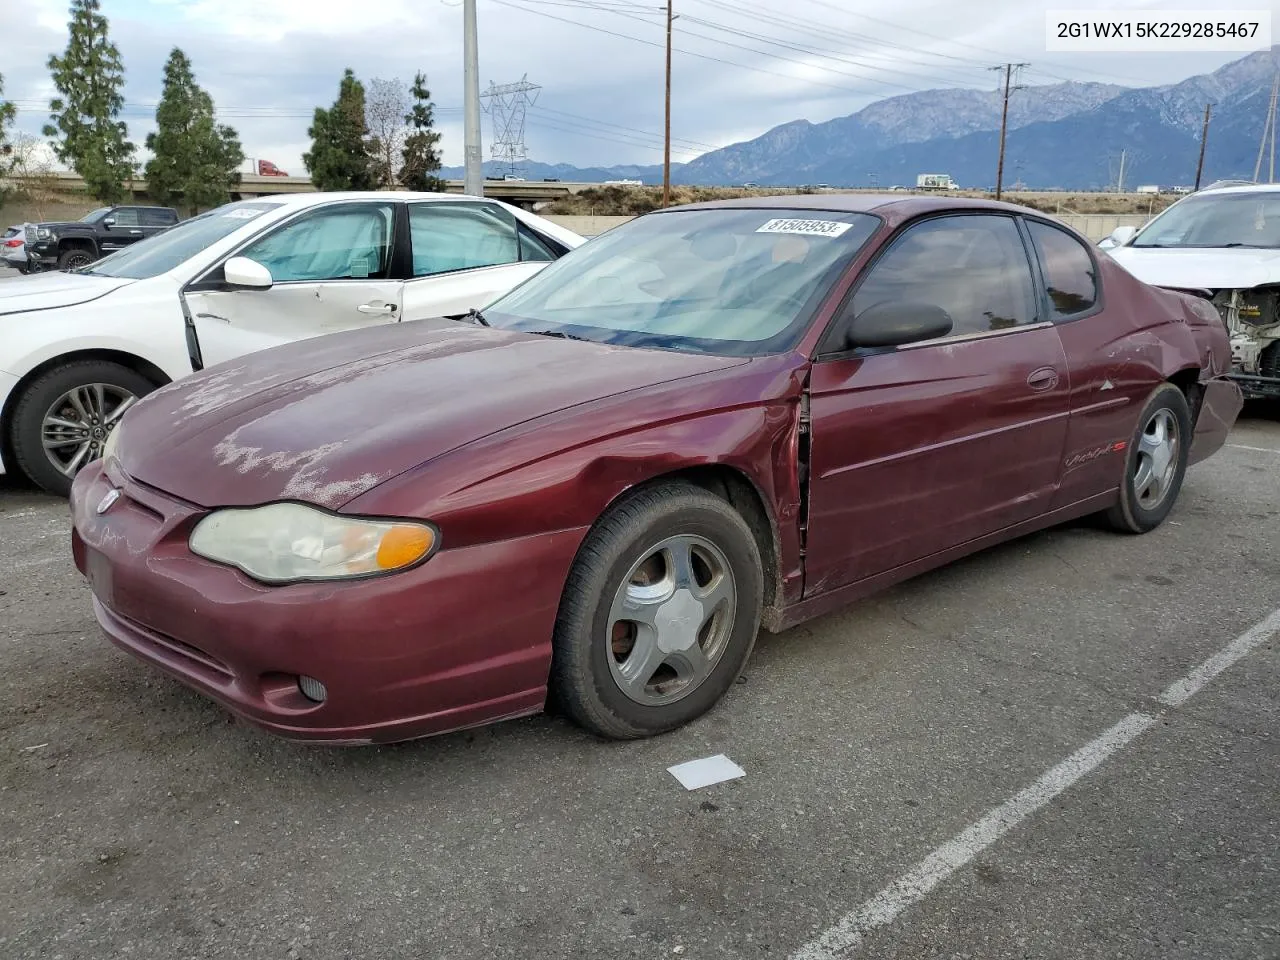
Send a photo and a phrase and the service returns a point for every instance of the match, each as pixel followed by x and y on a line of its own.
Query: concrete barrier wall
pixel 589 226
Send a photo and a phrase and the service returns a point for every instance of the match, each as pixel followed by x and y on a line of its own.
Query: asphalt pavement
pixel 893 753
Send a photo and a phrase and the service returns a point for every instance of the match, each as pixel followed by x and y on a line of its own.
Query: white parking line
pixel 1243 446
pixel 847 934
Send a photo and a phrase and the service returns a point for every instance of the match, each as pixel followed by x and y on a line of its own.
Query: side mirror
pixel 894 323
pixel 243 272
pixel 1122 235
pixel 108 222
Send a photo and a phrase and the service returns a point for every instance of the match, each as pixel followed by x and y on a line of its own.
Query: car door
pixel 119 230
pixel 467 254
pixel 1106 388
pixel 332 268
pixel 922 447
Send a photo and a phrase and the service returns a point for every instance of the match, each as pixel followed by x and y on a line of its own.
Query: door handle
pixel 377 309
pixel 136 231
pixel 1046 378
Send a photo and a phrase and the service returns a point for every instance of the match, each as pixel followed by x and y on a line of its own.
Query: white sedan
pixel 79 348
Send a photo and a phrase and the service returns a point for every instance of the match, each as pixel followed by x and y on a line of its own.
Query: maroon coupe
pixel 713 418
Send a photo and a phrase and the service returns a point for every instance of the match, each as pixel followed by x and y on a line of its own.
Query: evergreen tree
pixel 89 77
pixel 194 158
pixel 7 112
pixel 421 152
pixel 340 147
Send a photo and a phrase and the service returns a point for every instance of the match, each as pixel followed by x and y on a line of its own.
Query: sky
pixel 740 66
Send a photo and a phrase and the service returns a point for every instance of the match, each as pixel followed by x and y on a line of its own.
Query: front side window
pixel 125 217
pixel 725 280
pixel 461 236
pixel 1070 274
pixel 345 242
pixel 973 267
pixel 161 252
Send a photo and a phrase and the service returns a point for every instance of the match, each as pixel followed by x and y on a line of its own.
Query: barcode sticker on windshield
pixel 812 228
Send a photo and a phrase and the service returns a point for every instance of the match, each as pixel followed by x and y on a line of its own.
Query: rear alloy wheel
pixel 64 417
pixel 659 614
pixel 74 259
pixel 1155 464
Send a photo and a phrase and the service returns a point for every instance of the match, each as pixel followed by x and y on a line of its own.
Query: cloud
pixel 269 65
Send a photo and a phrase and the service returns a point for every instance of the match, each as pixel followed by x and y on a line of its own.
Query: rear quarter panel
pixel 1143 337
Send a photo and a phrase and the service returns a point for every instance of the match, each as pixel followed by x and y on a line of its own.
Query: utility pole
pixel 1008 69
pixel 1120 181
pixel 473 175
pixel 1267 127
pixel 1204 138
pixel 666 140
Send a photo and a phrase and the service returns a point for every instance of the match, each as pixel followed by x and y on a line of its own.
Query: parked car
pixel 239 278
pixel 1222 244
pixel 75 244
pixel 13 249
pixel 712 417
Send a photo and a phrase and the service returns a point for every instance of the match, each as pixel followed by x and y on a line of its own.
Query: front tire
pixel 65 415
pixel 1155 463
pixel 659 614
pixel 75 258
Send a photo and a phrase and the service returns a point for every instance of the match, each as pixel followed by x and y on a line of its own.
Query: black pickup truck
pixel 68 246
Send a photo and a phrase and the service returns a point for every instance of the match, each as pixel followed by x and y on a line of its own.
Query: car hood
pixel 44 291
pixel 326 420
pixel 1200 268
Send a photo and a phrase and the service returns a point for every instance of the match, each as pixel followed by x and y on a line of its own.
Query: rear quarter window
pixel 1070 273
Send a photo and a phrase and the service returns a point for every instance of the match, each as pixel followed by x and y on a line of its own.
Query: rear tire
pixel 659 614
pixel 49 396
pixel 1155 464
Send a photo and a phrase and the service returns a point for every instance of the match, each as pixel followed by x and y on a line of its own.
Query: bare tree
pixel 32 175
pixel 386 103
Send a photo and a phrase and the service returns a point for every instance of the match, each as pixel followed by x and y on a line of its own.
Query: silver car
pixel 13 248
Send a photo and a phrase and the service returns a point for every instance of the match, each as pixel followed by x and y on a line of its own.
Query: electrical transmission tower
pixel 507 103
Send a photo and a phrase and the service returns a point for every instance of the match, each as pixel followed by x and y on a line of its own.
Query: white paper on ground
pixel 704 772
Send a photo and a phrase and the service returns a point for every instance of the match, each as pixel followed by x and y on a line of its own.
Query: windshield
pixel 162 252
pixel 724 280
pixel 95 215
pixel 1246 218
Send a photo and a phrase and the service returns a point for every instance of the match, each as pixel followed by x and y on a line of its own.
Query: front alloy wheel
pixel 76 426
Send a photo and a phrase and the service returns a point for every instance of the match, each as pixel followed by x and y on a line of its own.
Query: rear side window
pixel 463 236
pixel 974 267
pixel 157 217
pixel 1070 274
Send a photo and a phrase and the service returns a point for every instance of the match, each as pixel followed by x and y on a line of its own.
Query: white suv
pixel 79 348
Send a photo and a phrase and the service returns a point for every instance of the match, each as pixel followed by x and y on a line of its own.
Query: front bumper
pixel 462 640
pixel 1255 387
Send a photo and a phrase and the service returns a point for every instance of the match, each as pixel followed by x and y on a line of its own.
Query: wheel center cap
pixel 97 433
pixel 678 621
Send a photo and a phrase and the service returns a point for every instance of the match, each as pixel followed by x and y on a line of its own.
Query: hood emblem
pixel 105 503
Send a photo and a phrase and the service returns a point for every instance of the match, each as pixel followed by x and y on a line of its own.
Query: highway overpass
pixel 523 193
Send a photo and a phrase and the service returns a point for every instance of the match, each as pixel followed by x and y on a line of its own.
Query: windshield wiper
pixel 1251 246
pixel 476 317
pixel 559 333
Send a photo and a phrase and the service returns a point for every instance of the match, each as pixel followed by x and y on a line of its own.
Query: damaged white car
pixel 1223 244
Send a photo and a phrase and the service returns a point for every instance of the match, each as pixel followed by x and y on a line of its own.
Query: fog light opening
pixel 312 689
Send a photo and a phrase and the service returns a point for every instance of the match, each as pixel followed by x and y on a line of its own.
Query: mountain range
pixel 1067 135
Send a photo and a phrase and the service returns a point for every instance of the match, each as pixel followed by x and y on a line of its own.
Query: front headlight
pixel 288 542
pixel 43 233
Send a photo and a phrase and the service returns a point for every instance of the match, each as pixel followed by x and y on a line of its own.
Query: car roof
pixel 902 207
pixel 313 197
pixel 1239 188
